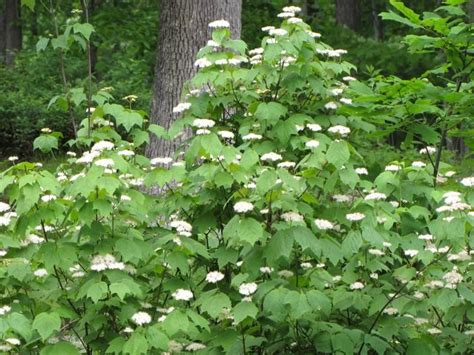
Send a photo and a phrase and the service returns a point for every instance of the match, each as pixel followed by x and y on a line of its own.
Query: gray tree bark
pixel 377 21
pixel 183 31
pixel 13 35
pixel 2 32
pixel 470 10
pixel 348 13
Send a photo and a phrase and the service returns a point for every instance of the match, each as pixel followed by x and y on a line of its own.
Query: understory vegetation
pixel 310 211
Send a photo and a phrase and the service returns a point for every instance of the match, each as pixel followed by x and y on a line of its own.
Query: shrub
pixel 271 236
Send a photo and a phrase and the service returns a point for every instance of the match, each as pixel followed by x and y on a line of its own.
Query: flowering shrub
pixel 272 236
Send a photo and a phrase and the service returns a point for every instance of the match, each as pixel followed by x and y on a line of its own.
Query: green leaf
pixel 156 338
pixel 271 111
pixel 158 131
pixel 455 2
pixel 46 324
pixel 306 239
pixel 409 13
pixel 352 243
pixel 214 304
pixel 379 345
pixel 42 44
pixel 243 310
pixel 331 250
pixel 97 291
pixel 420 347
pixel 176 321
pixel 319 301
pixel 392 16
pixel 120 289
pixel 299 304
pixel 46 143
pixel 20 324
pixel 61 348
pixel 137 344
pixel 85 29
pixel 128 119
pixel 250 230
pixel 115 346
pixel 266 181
pixel 249 159
pixel 338 153
pixel 280 245
pixel 211 144
pixel 29 4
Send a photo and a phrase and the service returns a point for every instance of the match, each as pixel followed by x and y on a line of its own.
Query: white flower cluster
pixel 161 161
pixel 219 24
pixel 391 311
pixel 76 271
pixel 312 144
pixel 428 150
pixel 375 196
pixel 226 134
pixel 411 252
pixel 361 171
pixel 105 163
pixel 339 129
pixel 203 123
pixel 141 318
pixel 266 270
pixel 181 107
pixel 286 164
pixel 452 278
pixel 40 273
pixel 5 220
pixel 243 206
pixel 342 198
pixel 252 137
pixel 214 277
pixel 376 252
pixel 331 53
pixel 392 167
pixel 323 224
pixel 102 145
pixel 88 157
pixel 202 63
pixel 126 153
pixel 182 227
pixel 271 156
pixel 330 105
pixel 357 286
pixel 313 127
pixel 292 217
pixel 104 262
pixel 4 207
pixel 4 310
pixel 452 200
pixel 247 289
pixel 469 181
pixel 182 295
pixel 354 217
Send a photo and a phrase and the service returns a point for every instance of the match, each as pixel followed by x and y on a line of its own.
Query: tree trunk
pixel 348 13
pixel 377 21
pixel 2 32
pixel 183 31
pixel 13 36
pixel 92 7
pixel 470 10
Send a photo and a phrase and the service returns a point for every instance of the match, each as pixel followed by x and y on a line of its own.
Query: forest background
pixel 124 44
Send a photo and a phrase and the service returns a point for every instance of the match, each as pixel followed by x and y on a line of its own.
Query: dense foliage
pixel 277 229
pixel 123 47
